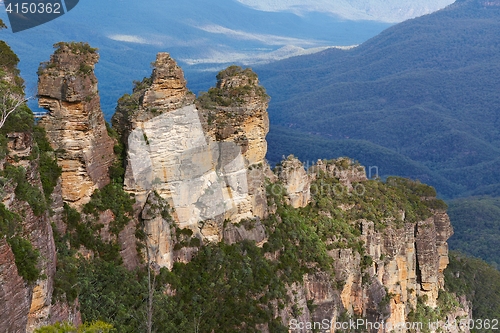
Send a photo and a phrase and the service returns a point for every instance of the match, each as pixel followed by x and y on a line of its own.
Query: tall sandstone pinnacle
pixel 205 157
pixel 67 88
pixel 178 147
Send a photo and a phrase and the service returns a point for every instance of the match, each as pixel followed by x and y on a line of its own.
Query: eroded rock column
pixel 67 88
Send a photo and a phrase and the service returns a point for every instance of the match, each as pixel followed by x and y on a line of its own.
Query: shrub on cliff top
pixel 8 59
pixel 232 96
pixel 74 47
pixel 234 71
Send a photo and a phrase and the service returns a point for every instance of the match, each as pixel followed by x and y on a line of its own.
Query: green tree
pixel 95 327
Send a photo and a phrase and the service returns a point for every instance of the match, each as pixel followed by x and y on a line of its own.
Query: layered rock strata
pixel 14 297
pixel 206 162
pixel 407 262
pixel 67 88
pixel 29 305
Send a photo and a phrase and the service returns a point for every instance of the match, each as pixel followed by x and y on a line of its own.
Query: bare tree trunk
pixel 9 103
pixel 151 279
pixel 151 286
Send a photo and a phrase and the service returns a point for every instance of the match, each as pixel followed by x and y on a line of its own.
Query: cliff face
pixel 14 297
pixel 405 265
pixel 32 305
pixel 67 88
pixel 206 163
pixel 27 247
pixel 203 161
pixel 77 132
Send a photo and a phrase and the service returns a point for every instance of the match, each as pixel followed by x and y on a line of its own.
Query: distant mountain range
pixel 419 100
pixel 386 11
pixel 203 36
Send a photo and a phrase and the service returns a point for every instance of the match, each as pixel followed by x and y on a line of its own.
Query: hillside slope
pixel 476 221
pixel 426 89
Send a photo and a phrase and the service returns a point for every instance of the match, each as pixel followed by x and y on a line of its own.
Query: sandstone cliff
pixel 205 159
pixel 198 172
pixel 67 88
pixel 27 247
pixel 32 305
pixel 14 297
pixel 77 132
pixel 400 265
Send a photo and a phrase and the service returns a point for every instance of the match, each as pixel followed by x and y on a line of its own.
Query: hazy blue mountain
pixel 425 89
pixel 203 36
pixel 387 10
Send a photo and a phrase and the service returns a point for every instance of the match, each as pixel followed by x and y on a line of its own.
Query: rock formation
pixel 205 159
pixel 296 181
pixel 31 303
pixel 77 132
pixel 407 262
pixel 14 297
pixel 67 88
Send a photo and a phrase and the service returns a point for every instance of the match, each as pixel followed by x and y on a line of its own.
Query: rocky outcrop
pixel 252 230
pixel 236 111
pixel 405 264
pixel 67 88
pixel 165 242
pixel 32 305
pixel 14 296
pixel 296 181
pixel 203 162
pixel 342 169
pixel 36 228
pixel 205 159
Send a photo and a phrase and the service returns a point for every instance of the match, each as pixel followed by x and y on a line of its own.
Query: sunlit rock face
pixel 202 179
pixel 67 88
pixel 203 162
pixel 207 163
pixel 407 261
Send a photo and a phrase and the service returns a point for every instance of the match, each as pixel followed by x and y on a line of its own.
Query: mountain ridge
pixel 388 11
pixel 424 88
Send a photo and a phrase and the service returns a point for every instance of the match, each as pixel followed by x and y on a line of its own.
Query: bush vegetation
pixel 49 170
pixel 95 327
pixel 24 190
pixel 113 197
pixel 75 47
pixel 478 281
pixel 232 96
pixel 476 226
